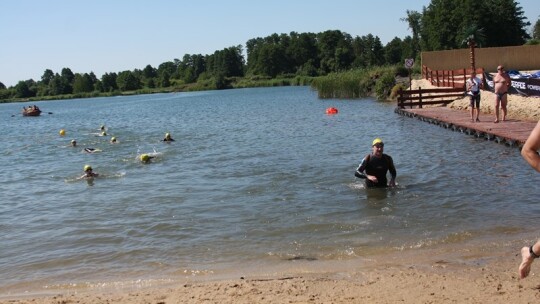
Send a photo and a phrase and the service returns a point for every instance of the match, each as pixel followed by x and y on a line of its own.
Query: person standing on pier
pixel 530 154
pixel 502 83
pixel 473 90
pixel 376 165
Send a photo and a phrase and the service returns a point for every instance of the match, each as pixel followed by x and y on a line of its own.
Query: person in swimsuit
pixel 168 137
pixel 502 84
pixel 88 173
pixel 473 90
pixel 376 165
pixel 530 154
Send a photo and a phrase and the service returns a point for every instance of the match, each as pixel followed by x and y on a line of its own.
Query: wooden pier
pixel 511 132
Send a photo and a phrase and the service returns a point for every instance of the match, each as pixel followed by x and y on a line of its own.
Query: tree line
pixel 442 25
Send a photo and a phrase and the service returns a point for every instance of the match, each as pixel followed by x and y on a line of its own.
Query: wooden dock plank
pixel 511 132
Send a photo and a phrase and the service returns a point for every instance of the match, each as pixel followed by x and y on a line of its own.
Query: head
pixel 145 158
pixel 102 128
pixel 473 74
pixel 500 69
pixel 87 168
pixel 103 133
pixel 377 147
pixel 113 139
pixel 167 136
pixel 73 143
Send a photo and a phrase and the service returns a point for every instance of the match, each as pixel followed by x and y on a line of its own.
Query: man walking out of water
pixel 376 165
pixel 502 83
pixel 530 154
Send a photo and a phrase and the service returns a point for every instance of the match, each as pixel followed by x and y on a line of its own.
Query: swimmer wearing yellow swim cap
pixel 88 172
pixel 145 158
pixel 168 137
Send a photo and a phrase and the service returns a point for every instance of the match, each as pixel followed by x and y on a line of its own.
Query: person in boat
pixel 88 172
pixel 530 154
pixel 502 83
pixel 374 167
pixel 168 137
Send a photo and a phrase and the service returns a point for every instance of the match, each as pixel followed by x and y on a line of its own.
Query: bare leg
pixel 503 107
pixel 497 109
pixel 526 261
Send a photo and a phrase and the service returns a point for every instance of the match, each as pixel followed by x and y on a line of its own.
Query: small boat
pixel 31 111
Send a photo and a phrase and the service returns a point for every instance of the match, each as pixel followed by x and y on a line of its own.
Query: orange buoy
pixel 332 110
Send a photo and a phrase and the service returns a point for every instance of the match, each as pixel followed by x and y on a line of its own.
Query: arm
pixel 360 170
pixel 508 80
pixel 531 147
pixel 393 172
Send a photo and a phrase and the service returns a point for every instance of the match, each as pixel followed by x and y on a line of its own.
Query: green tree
pixel 414 20
pixel 536 30
pixel 56 85
pixel 2 86
pixel 335 51
pixel 302 52
pixel 108 82
pixel 83 83
pixel 127 81
pixel 393 51
pixel 507 24
pixel 445 23
pixel 48 75
pixel 368 51
pixel 22 90
pixel 229 62
pixel 67 80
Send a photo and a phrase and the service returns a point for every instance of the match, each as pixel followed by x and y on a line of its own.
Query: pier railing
pixel 449 78
pixel 422 97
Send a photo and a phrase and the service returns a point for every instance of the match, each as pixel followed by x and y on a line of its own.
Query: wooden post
pixel 419 98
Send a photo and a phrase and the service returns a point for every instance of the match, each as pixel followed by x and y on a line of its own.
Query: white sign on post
pixel 409 63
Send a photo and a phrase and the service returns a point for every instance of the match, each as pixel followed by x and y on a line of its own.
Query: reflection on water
pixel 254 177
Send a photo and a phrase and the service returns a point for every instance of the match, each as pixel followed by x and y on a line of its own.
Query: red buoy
pixel 331 111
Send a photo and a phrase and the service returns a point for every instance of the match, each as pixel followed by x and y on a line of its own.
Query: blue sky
pixel 104 36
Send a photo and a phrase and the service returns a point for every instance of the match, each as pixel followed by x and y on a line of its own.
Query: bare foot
pixel 526 261
pixel 477 119
pixel 496 121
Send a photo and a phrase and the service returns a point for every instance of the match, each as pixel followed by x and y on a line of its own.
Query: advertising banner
pixel 523 86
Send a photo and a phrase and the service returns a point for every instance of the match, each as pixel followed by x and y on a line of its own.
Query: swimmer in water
pixel 88 173
pixel 145 158
pixel 113 140
pixel 168 137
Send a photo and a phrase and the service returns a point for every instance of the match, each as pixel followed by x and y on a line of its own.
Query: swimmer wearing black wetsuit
pixel 376 165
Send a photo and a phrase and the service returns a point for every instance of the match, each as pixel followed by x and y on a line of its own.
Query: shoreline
pixel 478 271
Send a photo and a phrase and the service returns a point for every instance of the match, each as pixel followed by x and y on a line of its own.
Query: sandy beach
pixel 468 273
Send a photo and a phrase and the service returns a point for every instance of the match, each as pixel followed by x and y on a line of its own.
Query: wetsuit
pixel 377 167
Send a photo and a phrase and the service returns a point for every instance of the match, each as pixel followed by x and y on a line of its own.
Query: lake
pixel 257 181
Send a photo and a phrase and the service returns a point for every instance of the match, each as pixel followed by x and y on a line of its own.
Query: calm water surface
pixel 256 178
